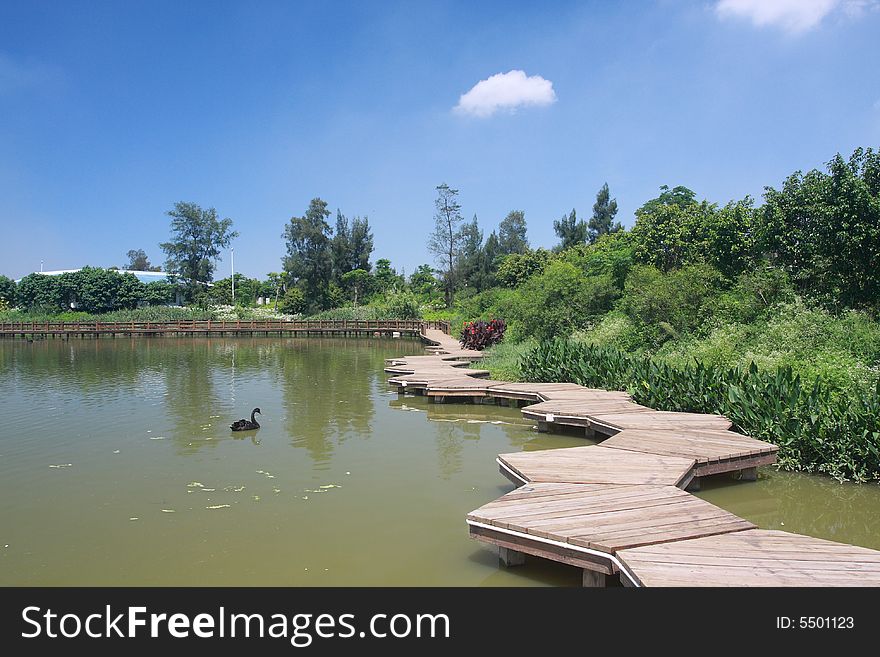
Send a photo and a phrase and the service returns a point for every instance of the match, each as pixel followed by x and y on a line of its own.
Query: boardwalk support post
pixel 747 474
pixel 593 579
pixel 510 558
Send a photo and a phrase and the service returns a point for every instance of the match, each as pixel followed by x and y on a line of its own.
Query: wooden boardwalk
pixel 215 327
pixel 752 558
pixel 619 509
pixel 595 465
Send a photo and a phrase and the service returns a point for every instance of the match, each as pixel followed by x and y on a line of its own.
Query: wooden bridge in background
pixel 31 330
pixel 620 510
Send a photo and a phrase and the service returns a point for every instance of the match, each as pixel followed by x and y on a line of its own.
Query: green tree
pixel 356 281
pixel 512 233
pixel 423 282
pixel 824 229
pixel 470 257
pixel 129 292
pixel 39 292
pixel 669 236
pixel 679 195
pixel 275 284
pixel 386 279
pixel 308 261
pixel 515 269
pixel 138 261
pixel 570 231
pixel 246 290
pixel 604 210
pixel 445 241
pixel 361 244
pixel 351 246
pixel 613 254
pixel 7 290
pixel 293 302
pixel 197 238
pixel 489 259
pixel 160 293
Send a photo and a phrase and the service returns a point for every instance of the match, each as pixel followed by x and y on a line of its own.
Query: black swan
pixel 246 425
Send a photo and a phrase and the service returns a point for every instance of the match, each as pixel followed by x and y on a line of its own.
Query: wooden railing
pixel 211 326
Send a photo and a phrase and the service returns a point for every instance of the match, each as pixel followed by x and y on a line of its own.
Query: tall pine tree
pixel 604 210
pixel 308 261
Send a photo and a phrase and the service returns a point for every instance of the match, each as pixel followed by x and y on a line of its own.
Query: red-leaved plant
pixel 479 335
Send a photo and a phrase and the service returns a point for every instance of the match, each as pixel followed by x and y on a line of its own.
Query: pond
pixel 117 467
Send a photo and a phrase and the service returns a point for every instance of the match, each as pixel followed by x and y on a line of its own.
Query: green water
pixel 345 483
pixel 144 426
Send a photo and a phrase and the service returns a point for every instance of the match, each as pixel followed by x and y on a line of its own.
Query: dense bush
pixel 401 305
pixel 843 351
pixel 293 302
pixel 666 306
pixel 669 235
pixel 559 301
pixel 159 293
pixel 824 228
pixel 515 269
pixel 481 335
pixel 246 290
pixel 612 254
pixel 38 292
pixel 815 429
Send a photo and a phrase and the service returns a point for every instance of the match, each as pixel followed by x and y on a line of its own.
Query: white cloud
pixel 791 15
pixel 506 91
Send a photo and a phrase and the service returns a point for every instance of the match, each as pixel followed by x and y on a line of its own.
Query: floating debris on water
pixel 62 465
pixel 233 489
pixel 208 490
pixel 256 498
pixel 195 484
pixel 218 506
pixel 116 451
pixel 305 497
pixel 348 473
pixel 168 511
pixel 157 437
pixel 330 486
pixel 134 518
pixel 213 417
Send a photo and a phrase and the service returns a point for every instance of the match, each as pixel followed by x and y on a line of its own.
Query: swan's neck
pixel 253 419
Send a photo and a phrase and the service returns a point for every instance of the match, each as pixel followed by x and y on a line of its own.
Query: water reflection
pixel 161 492
pixel 328 392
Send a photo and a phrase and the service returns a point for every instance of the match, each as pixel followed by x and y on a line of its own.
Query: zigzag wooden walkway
pixel 619 509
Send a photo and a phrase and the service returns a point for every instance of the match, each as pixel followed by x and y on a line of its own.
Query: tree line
pixel 822 229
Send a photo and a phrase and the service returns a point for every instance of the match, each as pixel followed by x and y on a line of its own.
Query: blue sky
pixel 111 112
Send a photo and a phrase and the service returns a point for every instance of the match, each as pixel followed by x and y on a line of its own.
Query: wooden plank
pixel 755 557
pixel 593 464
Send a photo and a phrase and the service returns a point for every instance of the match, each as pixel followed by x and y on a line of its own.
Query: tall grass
pixel 816 429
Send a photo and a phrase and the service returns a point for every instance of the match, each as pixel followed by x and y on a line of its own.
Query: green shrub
pixel 293 302
pixel 559 301
pixel 667 306
pixel 401 305
pixel 517 268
